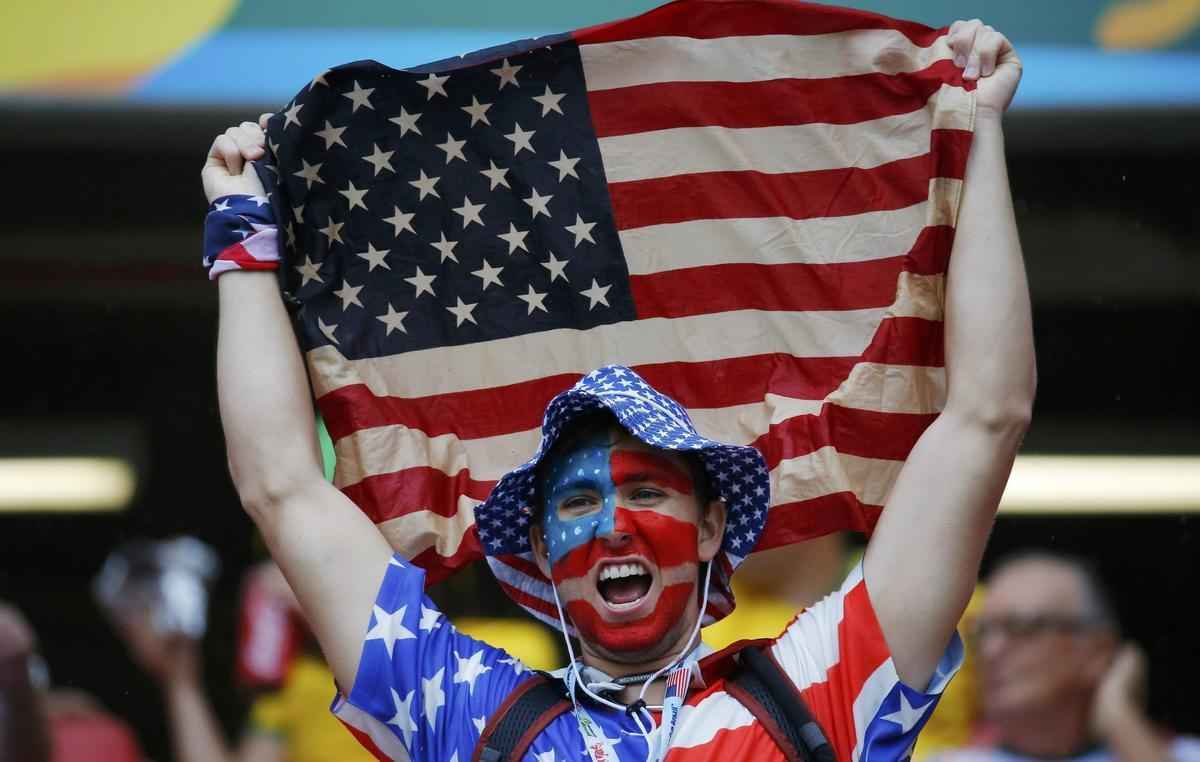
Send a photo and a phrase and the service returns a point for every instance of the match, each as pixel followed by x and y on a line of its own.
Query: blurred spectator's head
pixel 1045 636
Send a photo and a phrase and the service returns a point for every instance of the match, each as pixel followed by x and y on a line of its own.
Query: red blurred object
pixel 270 630
pixel 93 736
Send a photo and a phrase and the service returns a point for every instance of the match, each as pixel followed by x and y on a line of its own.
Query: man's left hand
pixel 988 58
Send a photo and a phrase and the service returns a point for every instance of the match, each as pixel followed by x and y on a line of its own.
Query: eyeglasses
pixel 1019 627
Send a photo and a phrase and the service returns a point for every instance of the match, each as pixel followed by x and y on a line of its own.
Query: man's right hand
pixel 227 169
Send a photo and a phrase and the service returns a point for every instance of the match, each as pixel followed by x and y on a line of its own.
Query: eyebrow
pixel 633 466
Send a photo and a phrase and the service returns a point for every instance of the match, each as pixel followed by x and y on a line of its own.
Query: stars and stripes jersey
pixel 424 691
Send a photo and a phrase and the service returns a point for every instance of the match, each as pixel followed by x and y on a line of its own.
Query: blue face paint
pixel 584 470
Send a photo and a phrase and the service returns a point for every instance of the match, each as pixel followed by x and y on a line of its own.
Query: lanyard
pixel 600 748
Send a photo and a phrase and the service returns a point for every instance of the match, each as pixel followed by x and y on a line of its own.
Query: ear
pixel 537 541
pixel 712 529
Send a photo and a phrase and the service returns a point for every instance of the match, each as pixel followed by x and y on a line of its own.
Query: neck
pixel 1048 734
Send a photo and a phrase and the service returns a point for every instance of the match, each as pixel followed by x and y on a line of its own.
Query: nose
pixel 615 529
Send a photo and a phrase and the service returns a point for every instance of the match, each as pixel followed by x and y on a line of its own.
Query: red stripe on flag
pixel 798 195
pixel 420 488
pixel 765 103
pixel 865 433
pixel 805 519
pixel 707 19
pixel 438 567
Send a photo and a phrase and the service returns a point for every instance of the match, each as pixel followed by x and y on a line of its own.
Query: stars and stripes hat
pixel 737 475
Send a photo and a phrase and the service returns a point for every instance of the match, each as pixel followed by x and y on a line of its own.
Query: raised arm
pixel 922 561
pixel 332 555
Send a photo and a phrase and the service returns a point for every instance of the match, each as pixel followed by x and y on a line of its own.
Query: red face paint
pixel 638 465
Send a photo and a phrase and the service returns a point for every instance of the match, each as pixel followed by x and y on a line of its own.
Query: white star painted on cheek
pixel 425 186
pixel 309 172
pixel 402 719
pixel 424 285
pixel 453 148
pixel 445 248
pixel 534 300
pixel 292 115
pixel 495 175
pixel 538 203
pixel 907 716
pixel 470 669
pixel 489 275
pixel 407 122
pixel 331 135
pixel 309 271
pixel 478 111
pixel 380 159
pixel 507 74
pixel 565 166
pixel 349 295
pixel 429 617
pixel 462 312
pixel 597 294
pixel 515 238
pixel 557 268
pixel 354 195
pixel 360 97
pixel 521 139
pixel 582 230
pixel 393 320
pixel 434 696
pixel 434 85
pixel 401 221
pixel 469 211
pixel 375 258
pixel 389 628
pixel 550 101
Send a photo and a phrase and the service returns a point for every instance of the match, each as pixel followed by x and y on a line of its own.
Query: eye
pixel 579 504
pixel 646 495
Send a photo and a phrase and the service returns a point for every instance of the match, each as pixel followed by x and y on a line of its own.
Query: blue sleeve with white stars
pixel 420 681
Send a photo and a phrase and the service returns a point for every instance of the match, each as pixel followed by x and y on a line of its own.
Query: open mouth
pixel 624 583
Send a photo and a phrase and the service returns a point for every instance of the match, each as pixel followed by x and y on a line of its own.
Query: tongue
pixel 626 589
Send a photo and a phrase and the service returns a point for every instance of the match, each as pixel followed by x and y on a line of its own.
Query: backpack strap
pixel 523 715
pixel 769 694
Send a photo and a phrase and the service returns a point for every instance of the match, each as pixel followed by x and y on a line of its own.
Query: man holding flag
pixel 624 526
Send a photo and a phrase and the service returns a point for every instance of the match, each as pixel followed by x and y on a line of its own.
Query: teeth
pixel 617 571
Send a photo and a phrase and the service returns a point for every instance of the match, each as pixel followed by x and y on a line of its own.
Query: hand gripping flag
pixel 750 202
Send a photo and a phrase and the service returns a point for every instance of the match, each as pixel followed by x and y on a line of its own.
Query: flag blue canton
pixel 461 202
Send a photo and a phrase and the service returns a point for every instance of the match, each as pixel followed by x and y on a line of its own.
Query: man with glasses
pixel 1057 680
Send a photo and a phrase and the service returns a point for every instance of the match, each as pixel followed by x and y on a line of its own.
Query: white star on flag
pixel 389 628
pixel 319 80
pixel 462 312
pixel 429 618
pixel 393 320
pixel 480 723
pixel 425 185
pixel 333 231
pixel 549 101
pixel 424 284
pixel 521 139
pixel 538 203
pixel 515 238
pixel 309 271
pixel 375 258
pixel 507 74
pixel 221 206
pixel 565 166
pixel 407 122
pixel 359 97
pixel 434 85
pixel 516 664
pixel 328 330
pixel 331 135
pixel 380 159
pixel 489 275
pixel 348 294
pixel 470 669
pixel 292 115
pixel 478 111
pixel 582 230
pixel 260 201
pixel 495 175
pixel 309 172
pixel 547 756
pixel 596 294
pixel 470 212
pixel 445 248
pixel 534 300
pixel 434 698
pixel 354 195
pixel 557 268
pixel 907 716
pixel 453 148
pixel 402 719
pixel 401 221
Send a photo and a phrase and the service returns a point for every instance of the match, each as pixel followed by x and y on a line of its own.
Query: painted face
pixel 620 520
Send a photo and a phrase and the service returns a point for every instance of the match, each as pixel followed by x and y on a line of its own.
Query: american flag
pixel 749 202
